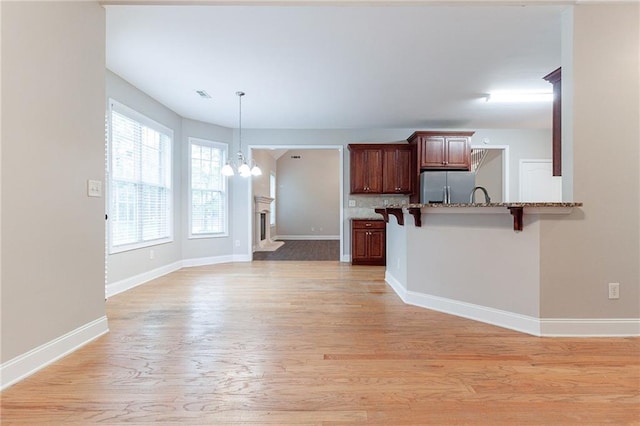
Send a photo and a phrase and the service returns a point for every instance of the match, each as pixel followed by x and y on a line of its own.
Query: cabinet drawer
pixel 368 224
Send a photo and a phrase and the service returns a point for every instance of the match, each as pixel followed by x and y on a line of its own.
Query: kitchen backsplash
pixel 365 204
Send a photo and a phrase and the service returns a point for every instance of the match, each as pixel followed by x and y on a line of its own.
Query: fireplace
pixel 262 225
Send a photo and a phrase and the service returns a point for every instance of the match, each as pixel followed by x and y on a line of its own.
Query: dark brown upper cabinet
pixel 366 169
pixel 442 150
pixel 382 168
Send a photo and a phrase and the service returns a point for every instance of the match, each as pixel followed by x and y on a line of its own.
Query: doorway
pixel 493 174
pixel 307 202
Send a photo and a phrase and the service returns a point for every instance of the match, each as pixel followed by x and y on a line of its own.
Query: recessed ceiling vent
pixel 296 157
pixel 203 94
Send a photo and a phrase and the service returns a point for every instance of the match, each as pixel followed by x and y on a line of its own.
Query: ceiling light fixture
pixel 519 97
pixel 241 163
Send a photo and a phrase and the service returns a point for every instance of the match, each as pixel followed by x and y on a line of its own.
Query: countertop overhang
pixel 517 210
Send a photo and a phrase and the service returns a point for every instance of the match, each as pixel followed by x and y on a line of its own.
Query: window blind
pixel 140 204
pixel 208 203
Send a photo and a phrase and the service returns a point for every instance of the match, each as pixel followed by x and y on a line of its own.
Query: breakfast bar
pixel 466 259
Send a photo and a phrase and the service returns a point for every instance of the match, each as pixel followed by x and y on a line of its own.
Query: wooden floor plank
pixel 319 343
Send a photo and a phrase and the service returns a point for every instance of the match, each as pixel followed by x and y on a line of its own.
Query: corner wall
pixel 53 98
pixel 599 243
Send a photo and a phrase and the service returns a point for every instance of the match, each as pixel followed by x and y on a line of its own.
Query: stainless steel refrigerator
pixel 446 187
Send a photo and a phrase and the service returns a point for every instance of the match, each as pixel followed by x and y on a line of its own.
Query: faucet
pixel 472 197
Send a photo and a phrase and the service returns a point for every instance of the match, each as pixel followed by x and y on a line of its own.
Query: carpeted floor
pixel 303 250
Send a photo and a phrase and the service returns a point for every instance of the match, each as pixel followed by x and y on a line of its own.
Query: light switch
pixel 94 188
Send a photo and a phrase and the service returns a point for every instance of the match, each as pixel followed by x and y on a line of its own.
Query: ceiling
pixel 339 67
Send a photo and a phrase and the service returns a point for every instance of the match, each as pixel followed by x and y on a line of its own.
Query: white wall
pixel 309 202
pixel 53 101
pixel 599 243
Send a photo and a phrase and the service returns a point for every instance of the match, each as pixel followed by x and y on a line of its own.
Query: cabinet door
pixel 432 153
pixel 458 155
pixel 377 249
pixel 397 170
pixel 366 171
pixel 374 171
pixel 405 166
pixel 359 244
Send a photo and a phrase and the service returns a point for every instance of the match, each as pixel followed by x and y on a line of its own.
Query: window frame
pixel 225 191
pixel 142 119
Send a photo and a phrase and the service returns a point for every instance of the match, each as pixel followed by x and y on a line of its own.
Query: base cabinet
pixel 368 242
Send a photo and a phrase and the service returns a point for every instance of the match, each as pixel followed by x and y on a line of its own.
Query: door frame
pixel 506 178
pixel 339 148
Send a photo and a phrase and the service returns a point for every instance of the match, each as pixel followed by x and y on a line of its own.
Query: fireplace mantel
pixel 261 224
pixel 262 203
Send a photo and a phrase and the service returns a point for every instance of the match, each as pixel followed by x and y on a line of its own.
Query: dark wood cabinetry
pixel 397 175
pixel 442 150
pixel 438 150
pixel 366 170
pixel 382 168
pixel 368 242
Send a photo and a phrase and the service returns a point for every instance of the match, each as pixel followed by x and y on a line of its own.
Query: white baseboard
pixel 28 363
pixel 202 261
pixel 599 327
pixel 542 327
pixel 307 237
pixel 136 280
pixel 345 258
pixel 497 317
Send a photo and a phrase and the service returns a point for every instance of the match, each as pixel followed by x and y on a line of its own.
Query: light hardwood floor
pixel 319 343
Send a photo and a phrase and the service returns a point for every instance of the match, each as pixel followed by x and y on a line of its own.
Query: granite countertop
pixel 366 218
pixel 517 204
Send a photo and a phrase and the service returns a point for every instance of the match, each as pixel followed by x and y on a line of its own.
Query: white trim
pixel 345 258
pixel 136 280
pixel 497 317
pixel 396 285
pixel 307 237
pixel 224 148
pixel 585 327
pixel 213 260
pixel 36 359
pixel 551 327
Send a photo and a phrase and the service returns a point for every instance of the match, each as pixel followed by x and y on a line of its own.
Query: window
pixel 272 194
pixel 208 195
pixel 140 195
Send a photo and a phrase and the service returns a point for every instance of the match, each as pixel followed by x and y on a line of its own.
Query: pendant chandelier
pixel 240 165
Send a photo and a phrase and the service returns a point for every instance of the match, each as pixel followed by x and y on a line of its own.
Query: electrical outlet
pixel 614 290
pixel 352 203
pixel 313 229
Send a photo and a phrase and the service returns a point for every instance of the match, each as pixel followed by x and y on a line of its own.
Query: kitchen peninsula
pixel 466 259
